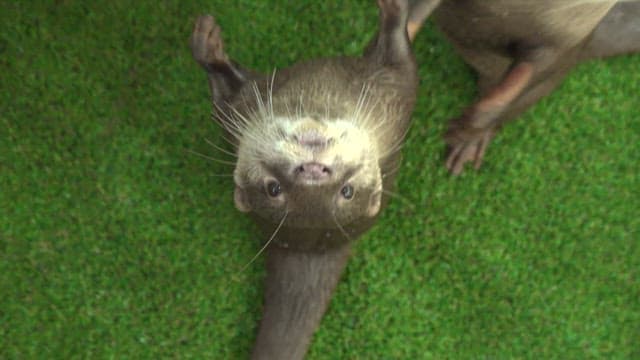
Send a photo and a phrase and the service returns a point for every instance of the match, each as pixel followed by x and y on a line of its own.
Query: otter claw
pixel 206 43
pixel 468 150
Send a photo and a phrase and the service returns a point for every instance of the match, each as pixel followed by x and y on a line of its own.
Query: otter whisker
pixel 230 142
pixel 270 93
pixel 287 109
pixel 228 124
pixel 253 115
pixel 381 118
pixel 234 133
pixel 373 117
pixel 244 131
pixel 375 120
pixel 219 148
pixel 392 171
pixel 261 106
pixel 266 244
pixel 237 123
pixel 221 119
pixel 224 116
pixel 405 200
pixel 393 149
pixel 326 105
pixel 342 230
pixel 300 109
pixel 396 146
pixel 211 158
pixel 355 109
pixel 242 121
pixel 360 103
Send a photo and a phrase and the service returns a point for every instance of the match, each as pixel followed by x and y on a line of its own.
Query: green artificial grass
pixel 117 242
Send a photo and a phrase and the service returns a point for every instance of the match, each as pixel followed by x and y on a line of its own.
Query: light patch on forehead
pixel 354 143
pixel 348 139
pixel 347 142
pixel 329 128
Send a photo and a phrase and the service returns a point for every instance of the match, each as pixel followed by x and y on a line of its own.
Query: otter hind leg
pixel 618 33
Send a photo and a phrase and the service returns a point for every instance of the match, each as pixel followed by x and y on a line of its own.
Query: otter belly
pixel 500 23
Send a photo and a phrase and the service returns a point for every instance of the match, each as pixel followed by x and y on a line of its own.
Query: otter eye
pixel 347 192
pixel 273 188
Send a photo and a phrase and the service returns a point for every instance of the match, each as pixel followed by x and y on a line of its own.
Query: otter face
pixel 319 173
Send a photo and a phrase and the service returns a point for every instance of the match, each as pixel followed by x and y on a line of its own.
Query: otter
pixel 317 148
pixel 521 50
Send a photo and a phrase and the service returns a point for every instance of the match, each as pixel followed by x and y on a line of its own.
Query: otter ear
pixel 240 199
pixel 374 203
pixel 225 76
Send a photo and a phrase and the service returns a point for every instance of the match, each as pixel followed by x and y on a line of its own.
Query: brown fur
pixel 311 229
pixel 521 51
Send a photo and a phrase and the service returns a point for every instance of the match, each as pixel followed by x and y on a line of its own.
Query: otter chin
pixel 317 147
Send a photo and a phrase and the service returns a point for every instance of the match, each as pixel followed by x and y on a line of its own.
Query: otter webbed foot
pixel 206 43
pixel 469 135
pixel 207 48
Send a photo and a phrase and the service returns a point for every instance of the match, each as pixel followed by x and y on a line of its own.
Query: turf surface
pixel 116 242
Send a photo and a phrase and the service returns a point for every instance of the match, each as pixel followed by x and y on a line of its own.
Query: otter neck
pixel 298 288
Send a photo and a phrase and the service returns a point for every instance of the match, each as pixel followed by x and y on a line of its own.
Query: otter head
pixel 316 172
pixel 318 167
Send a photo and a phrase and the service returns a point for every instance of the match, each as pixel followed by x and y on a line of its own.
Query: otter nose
pixel 313 171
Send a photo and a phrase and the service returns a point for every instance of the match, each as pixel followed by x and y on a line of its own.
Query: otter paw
pixel 206 43
pixel 466 145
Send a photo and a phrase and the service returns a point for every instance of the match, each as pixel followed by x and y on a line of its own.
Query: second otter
pixel 521 51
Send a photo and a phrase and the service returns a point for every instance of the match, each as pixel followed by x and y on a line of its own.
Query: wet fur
pixel 309 241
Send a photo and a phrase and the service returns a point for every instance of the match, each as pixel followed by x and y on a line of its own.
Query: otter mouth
pixel 312 139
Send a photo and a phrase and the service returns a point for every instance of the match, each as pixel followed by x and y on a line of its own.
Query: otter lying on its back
pixel 317 146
